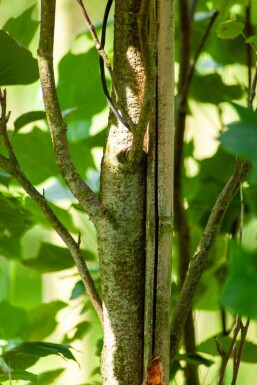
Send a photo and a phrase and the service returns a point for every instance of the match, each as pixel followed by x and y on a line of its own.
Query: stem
pixel 74 181
pixel 198 263
pixel 164 175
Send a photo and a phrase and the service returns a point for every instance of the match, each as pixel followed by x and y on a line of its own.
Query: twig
pixel 74 181
pixel 12 167
pixel 253 89
pixel 103 59
pixel 226 356
pixel 244 330
pixel 3 124
pixel 196 56
pixel 248 30
pixel 197 264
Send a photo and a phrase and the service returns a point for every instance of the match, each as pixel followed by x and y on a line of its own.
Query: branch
pixel 197 264
pixel 12 167
pixel 103 59
pixel 74 181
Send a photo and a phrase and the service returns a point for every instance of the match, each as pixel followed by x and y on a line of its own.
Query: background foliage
pixel 32 325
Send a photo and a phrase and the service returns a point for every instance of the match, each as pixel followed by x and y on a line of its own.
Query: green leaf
pixel 229 29
pixel 19 375
pixel 27 354
pixel 15 220
pixel 220 92
pixel 241 283
pixel 37 165
pixel 242 134
pixel 47 378
pixel 17 66
pixel 209 347
pixel 53 258
pixel 78 290
pixel 42 319
pixel 195 359
pixel 27 118
pixel 79 331
pixel 80 91
pixel 5 179
pixel 252 39
pixel 64 215
pixel 13 321
pixel 23 27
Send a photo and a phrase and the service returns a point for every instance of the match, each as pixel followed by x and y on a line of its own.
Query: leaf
pixel 220 92
pixel 23 27
pixel 76 93
pixel 229 29
pixel 5 179
pixel 17 66
pixel 195 359
pixel 241 283
pixel 27 354
pixel 53 258
pixel 241 137
pixel 47 378
pixel 79 331
pixel 15 220
pixel 78 290
pixel 64 215
pixel 42 319
pixel 19 375
pixel 27 118
pixel 13 321
pixel 37 165
pixel 209 347
pixel 252 39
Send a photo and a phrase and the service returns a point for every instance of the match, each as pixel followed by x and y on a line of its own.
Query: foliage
pixel 220 88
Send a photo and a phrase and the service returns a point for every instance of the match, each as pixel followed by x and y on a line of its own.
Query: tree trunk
pixel 121 233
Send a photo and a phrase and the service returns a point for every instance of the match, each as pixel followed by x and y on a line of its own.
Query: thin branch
pixel 248 30
pixel 74 181
pixel 12 167
pixel 253 89
pixel 244 330
pixel 226 356
pixel 198 263
pixel 103 59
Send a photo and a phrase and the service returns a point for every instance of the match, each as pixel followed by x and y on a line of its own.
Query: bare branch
pixel 197 264
pixel 12 167
pixel 105 60
pixel 74 181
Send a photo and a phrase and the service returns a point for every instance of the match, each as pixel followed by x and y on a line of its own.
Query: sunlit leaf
pixel 23 27
pixel 229 29
pixel 17 66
